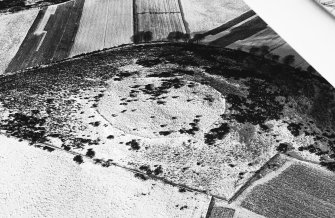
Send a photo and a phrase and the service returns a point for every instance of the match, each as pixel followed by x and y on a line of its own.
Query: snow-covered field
pixel 13 29
pixel 36 183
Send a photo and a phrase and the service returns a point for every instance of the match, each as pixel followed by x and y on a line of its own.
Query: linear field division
pixel 51 36
pixel 104 24
pixel 299 191
pixel 158 20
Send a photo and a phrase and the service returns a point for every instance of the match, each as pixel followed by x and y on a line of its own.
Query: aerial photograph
pixel 159 109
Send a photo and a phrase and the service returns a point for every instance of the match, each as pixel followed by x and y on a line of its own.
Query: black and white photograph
pixel 160 108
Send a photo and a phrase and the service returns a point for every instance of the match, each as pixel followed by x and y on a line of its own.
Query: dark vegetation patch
pixel 182 190
pixel 78 159
pixel 18 5
pixel 158 170
pixel 217 133
pixel 294 128
pixel 47 88
pixel 102 162
pixel 194 128
pixel 258 107
pixel 329 165
pixel 95 124
pixel 47 148
pixel 90 153
pixel 134 145
pixel 141 176
pixel 27 127
pixel 149 62
pixel 165 133
pixel 283 147
pixel 110 137
pixel 313 149
pixel 183 207
pixel 164 88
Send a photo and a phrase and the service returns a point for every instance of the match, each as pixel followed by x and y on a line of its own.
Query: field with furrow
pixel 50 37
pixel 13 29
pixel 104 24
pixel 160 25
pixel 156 6
pixel 158 21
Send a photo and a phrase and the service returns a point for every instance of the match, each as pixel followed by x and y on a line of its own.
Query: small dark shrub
pixel 90 153
pixel 78 159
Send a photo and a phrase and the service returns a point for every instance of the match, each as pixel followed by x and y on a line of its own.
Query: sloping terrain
pixel 19 5
pixel 255 112
pixel 104 24
pixel 295 189
pixel 50 37
pixel 49 184
pixel 271 45
pixel 158 21
pixel 13 29
pixel 202 16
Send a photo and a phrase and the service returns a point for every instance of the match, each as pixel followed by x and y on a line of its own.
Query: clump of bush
pixel 78 159
pixel 90 153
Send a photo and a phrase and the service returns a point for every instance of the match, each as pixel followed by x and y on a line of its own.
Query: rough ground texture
pixel 260 108
pixel 13 29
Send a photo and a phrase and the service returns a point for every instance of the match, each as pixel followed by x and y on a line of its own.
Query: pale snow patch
pixel 36 183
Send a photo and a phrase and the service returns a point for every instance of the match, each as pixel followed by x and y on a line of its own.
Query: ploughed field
pixel 13 29
pixel 201 117
pixel 104 24
pixel 295 189
pixel 50 37
pixel 158 20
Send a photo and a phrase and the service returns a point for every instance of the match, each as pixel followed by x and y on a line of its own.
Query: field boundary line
pixel 186 26
pixel 210 207
pixel 229 24
pixel 252 179
pixel 106 24
pixel 88 54
pixel 167 12
pixel 135 20
pixel 67 21
pixel 135 171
